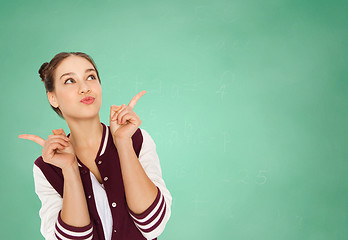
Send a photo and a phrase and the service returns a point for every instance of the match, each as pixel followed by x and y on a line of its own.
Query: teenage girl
pixel 99 182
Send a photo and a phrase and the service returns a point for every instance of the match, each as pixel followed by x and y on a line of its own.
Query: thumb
pixel 59 132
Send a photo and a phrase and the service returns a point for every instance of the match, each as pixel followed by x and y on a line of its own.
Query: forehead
pixel 73 64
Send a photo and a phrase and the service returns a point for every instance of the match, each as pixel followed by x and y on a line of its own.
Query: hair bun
pixel 42 71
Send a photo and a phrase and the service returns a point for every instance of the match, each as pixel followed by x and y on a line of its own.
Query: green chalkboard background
pixel 246 100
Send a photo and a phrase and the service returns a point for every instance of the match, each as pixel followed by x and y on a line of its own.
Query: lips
pixel 87 100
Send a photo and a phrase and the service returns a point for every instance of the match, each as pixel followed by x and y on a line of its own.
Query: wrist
pixel 71 170
pixel 122 141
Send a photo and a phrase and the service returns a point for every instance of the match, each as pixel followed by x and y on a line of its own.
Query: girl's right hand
pixel 57 149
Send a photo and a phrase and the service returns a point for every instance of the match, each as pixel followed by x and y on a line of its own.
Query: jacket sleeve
pixel 152 222
pixel 52 226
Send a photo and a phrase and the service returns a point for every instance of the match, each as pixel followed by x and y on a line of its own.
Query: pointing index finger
pixel 33 138
pixel 135 99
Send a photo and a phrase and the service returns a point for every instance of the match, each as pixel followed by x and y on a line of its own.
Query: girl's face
pixel 75 78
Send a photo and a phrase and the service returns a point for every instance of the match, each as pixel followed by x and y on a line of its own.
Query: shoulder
pixel 46 167
pixel 147 139
pixel 47 172
pixel 39 161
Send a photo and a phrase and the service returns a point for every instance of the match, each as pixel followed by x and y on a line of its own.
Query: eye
pixel 68 80
pixel 92 76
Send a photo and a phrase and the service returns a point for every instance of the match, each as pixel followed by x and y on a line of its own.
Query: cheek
pixel 65 99
pixel 97 86
pixel 97 89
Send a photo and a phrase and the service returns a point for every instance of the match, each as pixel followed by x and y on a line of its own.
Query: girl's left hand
pixel 123 120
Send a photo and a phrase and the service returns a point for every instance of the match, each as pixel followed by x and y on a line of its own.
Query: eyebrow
pixel 71 73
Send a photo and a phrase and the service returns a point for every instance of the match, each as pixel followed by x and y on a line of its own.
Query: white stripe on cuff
pixel 64 238
pixel 153 212
pixel 150 225
pixel 74 234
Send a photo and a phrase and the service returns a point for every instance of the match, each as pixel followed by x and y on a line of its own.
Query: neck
pixel 85 133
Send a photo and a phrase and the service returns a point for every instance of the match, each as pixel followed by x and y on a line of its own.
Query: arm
pixel 154 212
pixel 74 211
pixel 52 225
pixel 139 189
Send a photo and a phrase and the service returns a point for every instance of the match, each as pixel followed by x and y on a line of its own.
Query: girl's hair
pixel 47 71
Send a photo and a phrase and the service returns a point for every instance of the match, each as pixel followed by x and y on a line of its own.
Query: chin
pixel 82 114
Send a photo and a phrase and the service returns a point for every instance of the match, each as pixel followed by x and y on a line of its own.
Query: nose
pixel 84 88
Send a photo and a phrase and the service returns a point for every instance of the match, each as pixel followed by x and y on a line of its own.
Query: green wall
pixel 246 100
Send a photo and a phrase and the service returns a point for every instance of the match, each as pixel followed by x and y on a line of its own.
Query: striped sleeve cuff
pixel 64 231
pixel 151 219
